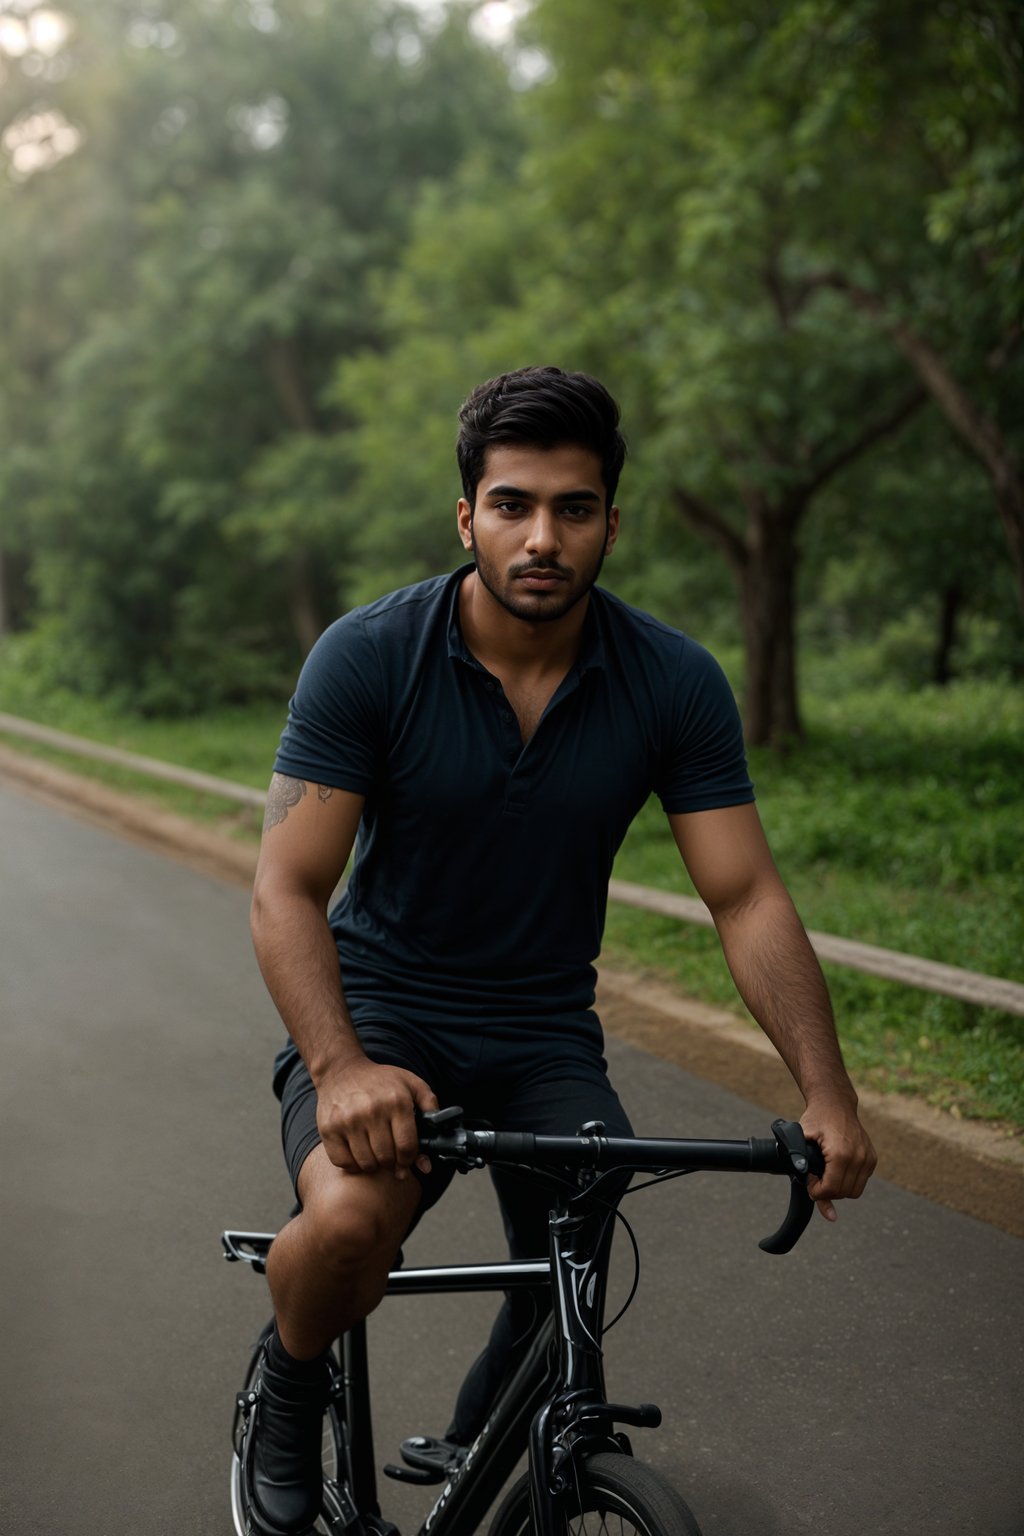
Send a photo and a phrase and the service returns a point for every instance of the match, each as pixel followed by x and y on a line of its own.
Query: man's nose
pixel 544 534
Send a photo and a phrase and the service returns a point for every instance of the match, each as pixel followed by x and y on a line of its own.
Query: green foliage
pixel 898 825
pixel 695 177
pixel 240 316
pixel 179 289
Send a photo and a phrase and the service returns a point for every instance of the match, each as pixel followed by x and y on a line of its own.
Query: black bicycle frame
pixel 554 1402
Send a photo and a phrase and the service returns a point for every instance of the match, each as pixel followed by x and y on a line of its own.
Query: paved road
pixel 870 1382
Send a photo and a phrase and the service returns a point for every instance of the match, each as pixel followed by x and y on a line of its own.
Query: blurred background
pixel 254 253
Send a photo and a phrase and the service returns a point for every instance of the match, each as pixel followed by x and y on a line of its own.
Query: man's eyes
pixel 577 511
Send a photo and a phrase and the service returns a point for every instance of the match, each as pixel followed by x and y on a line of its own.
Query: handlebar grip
pixel 795 1150
pixel 442 1132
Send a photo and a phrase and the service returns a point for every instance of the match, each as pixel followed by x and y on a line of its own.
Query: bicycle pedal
pixel 420 1475
pixel 429 1459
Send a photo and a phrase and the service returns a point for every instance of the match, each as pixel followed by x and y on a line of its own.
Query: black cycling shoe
pixel 286 1476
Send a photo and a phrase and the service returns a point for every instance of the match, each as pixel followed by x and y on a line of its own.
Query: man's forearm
pixel 299 963
pixel 778 976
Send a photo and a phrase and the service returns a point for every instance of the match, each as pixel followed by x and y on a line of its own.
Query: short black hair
pixel 544 406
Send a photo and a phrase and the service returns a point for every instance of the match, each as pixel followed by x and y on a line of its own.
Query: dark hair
pixel 543 406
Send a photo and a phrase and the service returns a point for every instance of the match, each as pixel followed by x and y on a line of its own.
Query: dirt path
pixel 968 1166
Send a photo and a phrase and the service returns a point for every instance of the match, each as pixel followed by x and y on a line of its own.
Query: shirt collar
pixel 592 653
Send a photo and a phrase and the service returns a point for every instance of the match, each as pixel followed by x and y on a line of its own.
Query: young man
pixel 488 736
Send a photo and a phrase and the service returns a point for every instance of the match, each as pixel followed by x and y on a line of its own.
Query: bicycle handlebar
pixel 443 1135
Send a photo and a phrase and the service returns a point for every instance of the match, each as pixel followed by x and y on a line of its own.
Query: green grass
pixel 237 743
pixel 900 823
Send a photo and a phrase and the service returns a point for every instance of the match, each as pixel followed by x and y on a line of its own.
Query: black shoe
pixel 286 1471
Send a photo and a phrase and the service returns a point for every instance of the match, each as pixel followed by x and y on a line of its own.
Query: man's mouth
pixel 540 578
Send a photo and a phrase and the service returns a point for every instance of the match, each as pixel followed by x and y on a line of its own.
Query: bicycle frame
pixel 470 1490
pixel 554 1403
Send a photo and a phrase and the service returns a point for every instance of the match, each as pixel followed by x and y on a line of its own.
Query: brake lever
pixel 440 1121
pixel 800 1158
pixel 443 1135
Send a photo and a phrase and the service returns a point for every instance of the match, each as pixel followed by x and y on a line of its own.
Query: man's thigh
pixel 551 1097
pixel 299 1133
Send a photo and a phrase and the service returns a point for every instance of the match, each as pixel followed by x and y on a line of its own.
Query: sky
pixel 33 32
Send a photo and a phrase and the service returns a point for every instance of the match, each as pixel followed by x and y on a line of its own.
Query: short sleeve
pixel 335 730
pixel 704 764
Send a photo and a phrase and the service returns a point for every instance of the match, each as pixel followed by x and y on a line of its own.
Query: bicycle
pixel 580 1466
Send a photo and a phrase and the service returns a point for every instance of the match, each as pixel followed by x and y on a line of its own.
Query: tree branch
pixel 883 426
pixel 978 431
pixel 282 362
pixel 712 526
pixel 980 434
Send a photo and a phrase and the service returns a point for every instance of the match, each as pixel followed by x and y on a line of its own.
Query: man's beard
pixel 535 607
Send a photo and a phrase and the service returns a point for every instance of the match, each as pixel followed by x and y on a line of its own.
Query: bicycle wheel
pixel 615 1496
pixel 333 1451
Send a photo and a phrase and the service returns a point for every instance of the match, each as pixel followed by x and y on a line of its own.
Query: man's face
pixel 539 531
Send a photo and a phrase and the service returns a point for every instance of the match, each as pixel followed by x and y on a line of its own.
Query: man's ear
pixel 613 530
pixel 465 520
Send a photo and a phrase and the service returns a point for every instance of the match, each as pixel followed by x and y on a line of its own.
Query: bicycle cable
pixel 636 1274
pixel 662 1178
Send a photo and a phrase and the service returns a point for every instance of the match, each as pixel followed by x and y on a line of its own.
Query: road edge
pixel 968 1166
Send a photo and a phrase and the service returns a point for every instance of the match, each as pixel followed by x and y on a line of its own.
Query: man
pixel 488 736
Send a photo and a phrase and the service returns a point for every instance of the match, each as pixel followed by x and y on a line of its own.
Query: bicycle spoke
pixel 584 1525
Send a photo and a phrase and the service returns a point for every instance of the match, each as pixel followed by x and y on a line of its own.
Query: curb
pixel 966 1165
pixel 971 1167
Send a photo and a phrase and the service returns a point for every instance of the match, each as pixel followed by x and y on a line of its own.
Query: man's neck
pixel 504 643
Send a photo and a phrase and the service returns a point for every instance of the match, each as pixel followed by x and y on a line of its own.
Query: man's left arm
pixel 778 976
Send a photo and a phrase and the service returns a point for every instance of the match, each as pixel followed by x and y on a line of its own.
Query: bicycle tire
pixel 333 1450
pixel 612 1493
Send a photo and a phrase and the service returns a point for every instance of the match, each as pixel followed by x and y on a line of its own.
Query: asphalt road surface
pixel 870 1382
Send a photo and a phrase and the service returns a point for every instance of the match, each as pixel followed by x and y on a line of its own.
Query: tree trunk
pixel 763 564
pixel 304 603
pixel 14 591
pixel 942 667
pixel 285 370
pixel 1008 490
pixel 768 596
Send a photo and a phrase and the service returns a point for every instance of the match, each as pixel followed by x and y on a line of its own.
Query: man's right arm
pixel 365 1111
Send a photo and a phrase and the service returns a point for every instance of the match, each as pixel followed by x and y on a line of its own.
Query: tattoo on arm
pixel 281 796
pixel 324 792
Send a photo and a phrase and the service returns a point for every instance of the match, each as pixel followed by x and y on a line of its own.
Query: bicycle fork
pixel 578 1420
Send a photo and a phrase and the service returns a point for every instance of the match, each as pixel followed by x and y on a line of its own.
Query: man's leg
pixel 327 1270
pixel 557 1092
pixel 328 1267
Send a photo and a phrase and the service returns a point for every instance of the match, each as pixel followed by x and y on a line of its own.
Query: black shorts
pixel 514 1079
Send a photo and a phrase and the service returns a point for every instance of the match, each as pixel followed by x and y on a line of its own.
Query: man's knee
pixel 356 1221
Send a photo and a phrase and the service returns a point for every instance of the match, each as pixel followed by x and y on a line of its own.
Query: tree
pixel 240 177
pixel 714 161
pixel 950 296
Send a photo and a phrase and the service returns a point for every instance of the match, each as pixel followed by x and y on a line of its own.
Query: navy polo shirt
pixel 480 880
